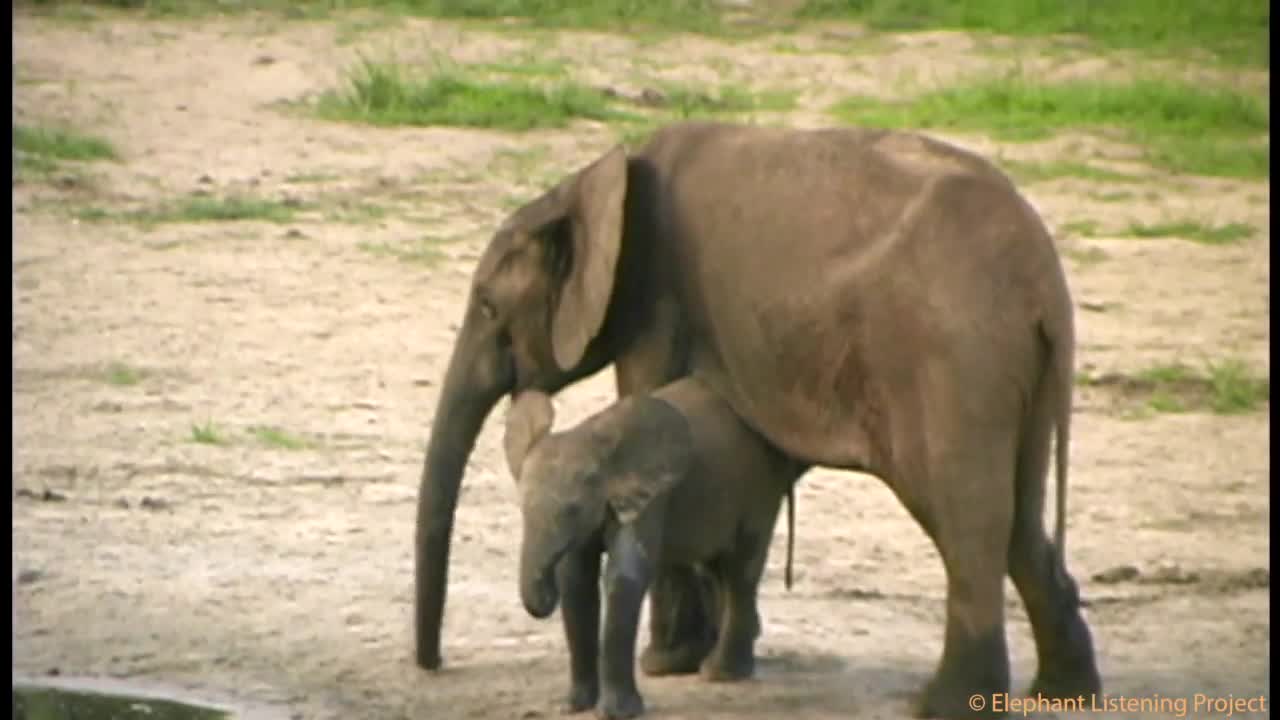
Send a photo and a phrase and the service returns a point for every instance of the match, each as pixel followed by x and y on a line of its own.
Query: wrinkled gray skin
pixel 669 478
pixel 864 299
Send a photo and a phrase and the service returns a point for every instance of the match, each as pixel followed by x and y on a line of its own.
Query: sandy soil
pixel 281 579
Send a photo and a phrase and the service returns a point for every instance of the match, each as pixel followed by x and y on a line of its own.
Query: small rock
pixel 423 382
pixel 205 180
pixel 54 671
pixel 181 108
pixel 122 503
pixel 264 60
pixel 1094 307
pixel 1172 574
pixel 50 496
pixel 26 577
pixel 150 503
pixel 294 234
pixel 652 97
pixel 531 714
pixel 1118 574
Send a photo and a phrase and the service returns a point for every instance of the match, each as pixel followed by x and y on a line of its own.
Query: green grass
pixel 1195 231
pixel 42 150
pixel 687 101
pixel 122 375
pixel 1224 387
pixel 277 438
pixel 207 434
pixel 198 208
pixel 675 15
pixel 1083 228
pixel 1237 32
pixel 1236 389
pixel 61 144
pixel 526 67
pixel 1174 121
pixel 424 251
pixel 386 93
pixel 1030 172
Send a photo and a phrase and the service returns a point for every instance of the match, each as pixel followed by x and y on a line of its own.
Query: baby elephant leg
pixel 627 578
pixel 733 657
pixel 578 575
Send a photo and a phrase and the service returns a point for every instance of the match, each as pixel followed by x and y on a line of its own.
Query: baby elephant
pixel 673 477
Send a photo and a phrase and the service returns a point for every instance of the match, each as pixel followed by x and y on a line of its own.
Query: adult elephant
pixel 868 300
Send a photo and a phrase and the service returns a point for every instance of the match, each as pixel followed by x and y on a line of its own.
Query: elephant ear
pixel 528 421
pixel 595 208
pixel 654 452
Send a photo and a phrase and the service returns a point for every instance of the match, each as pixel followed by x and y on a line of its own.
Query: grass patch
pixel 424 251
pixel 687 101
pixel 196 209
pixel 527 67
pixel 1173 120
pixel 61 144
pixel 1236 32
pixel 277 438
pixel 1083 228
pixel 386 93
pixel 40 151
pixel 1195 231
pixel 1225 387
pixel 122 375
pixel 1031 172
pixel 207 434
pixel 305 178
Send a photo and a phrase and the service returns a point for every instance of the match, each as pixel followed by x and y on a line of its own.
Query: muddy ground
pixel 273 569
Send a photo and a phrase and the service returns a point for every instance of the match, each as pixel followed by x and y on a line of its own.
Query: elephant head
pixel 617 461
pixel 538 301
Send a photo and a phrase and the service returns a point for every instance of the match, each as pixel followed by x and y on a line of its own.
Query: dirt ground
pixel 279 580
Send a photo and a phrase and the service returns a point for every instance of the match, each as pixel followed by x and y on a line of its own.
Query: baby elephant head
pixel 616 461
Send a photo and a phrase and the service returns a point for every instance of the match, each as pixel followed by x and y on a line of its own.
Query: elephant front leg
pixel 626 579
pixel 578 576
pixel 682 623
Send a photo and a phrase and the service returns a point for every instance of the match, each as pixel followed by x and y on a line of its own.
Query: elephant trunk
pixel 460 414
pixel 538 588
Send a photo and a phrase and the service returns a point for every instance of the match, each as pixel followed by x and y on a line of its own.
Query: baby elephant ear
pixel 528 420
pixel 654 452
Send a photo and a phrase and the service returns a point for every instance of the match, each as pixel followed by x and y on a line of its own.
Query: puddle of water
pixel 43 702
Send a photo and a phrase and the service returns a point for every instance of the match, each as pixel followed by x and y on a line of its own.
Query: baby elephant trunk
pixel 538 588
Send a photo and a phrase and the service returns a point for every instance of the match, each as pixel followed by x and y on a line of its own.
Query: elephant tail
pixel 1062 357
pixel 791 531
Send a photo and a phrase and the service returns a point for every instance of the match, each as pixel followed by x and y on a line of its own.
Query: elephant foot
pixel 679 660
pixel 1060 684
pixel 728 667
pixel 971 679
pixel 620 705
pixel 940 700
pixel 582 697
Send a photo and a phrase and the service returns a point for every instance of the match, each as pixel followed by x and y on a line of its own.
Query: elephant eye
pixel 487 310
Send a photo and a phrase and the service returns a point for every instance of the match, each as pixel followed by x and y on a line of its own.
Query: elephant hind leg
pixel 682 624
pixel 1064 645
pixel 964 503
